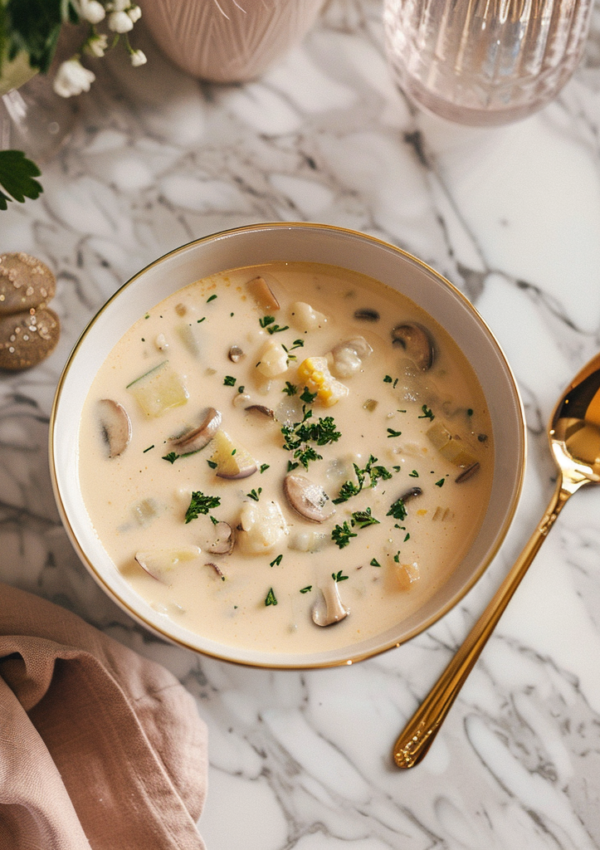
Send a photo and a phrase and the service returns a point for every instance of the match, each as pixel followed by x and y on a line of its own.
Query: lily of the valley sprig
pixel 118 16
pixel 29 31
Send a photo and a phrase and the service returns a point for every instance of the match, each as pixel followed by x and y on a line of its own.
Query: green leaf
pixel 34 26
pixel 16 173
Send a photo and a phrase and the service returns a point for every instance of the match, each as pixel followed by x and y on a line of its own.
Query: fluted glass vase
pixel 484 62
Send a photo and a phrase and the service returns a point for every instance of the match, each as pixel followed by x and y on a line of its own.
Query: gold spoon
pixel 574 435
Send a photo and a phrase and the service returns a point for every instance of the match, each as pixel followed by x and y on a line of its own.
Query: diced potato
pixel 191 337
pixel 161 563
pixel 145 511
pixel 261 289
pixel 159 390
pixel 232 459
pixel 273 360
pixel 306 318
pixel 407 574
pixel 262 527
pixel 314 374
pixel 308 541
pixel 450 447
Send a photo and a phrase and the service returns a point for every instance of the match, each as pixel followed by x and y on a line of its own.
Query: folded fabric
pixel 99 747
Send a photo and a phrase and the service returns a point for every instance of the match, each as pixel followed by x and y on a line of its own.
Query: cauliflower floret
pixel 262 526
pixel 306 318
pixel 314 374
pixel 273 360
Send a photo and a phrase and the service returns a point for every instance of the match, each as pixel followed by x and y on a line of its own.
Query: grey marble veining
pixel 512 217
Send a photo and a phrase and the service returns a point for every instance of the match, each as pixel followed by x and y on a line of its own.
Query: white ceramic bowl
pixel 266 243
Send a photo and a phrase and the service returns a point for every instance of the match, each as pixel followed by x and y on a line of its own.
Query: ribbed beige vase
pixel 228 41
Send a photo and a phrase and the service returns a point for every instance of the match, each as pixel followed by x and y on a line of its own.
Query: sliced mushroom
pixel 260 408
pixel 263 294
pixel 161 563
pixel 468 473
pixel 416 342
pixel 193 441
pixel 116 426
pixel 306 498
pixel 235 354
pixel 365 314
pixel 411 494
pixel 328 609
pixel 224 539
pixel 217 569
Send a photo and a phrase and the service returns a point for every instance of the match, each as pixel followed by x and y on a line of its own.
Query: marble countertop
pixel 512 217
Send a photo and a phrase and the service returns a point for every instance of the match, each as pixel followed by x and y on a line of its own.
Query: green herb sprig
pixel 201 504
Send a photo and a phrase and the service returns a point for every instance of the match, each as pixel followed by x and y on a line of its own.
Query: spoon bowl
pixel 574 436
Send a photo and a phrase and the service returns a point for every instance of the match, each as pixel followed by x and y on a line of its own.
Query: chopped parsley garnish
pixel 440 483
pixel 470 411
pixel 374 562
pixel 276 561
pixel 290 389
pixel 241 389
pixel 270 600
pixel 212 464
pixel 171 457
pixel 229 381
pixel 211 298
pixel 298 436
pixel 339 576
pixel 298 343
pixel 397 510
pixel 267 322
pixel 392 433
pixel 395 382
pixel 200 320
pixel 307 396
pixel 362 519
pixel 342 534
pixel 264 467
pixel 215 521
pixel 147 316
pixel 397 557
pixel 148 449
pixel 427 413
pixel 253 494
pixel 413 474
pixel 306 589
pixel 349 488
pixel 388 379
pixel 200 504
pixel 407 537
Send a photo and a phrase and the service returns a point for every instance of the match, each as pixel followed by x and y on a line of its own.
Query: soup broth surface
pixel 349 454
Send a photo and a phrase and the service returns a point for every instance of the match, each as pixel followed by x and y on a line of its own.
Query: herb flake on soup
pixel 289 458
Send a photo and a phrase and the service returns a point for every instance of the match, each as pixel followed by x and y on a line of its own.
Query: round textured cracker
pixel 25 282
pixel 27 338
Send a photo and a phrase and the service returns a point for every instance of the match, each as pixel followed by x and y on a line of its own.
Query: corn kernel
pixel 314 374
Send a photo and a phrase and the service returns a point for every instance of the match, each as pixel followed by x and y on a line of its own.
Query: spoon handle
pixel 420 731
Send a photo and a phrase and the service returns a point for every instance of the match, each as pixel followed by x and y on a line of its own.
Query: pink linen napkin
pixel 99 748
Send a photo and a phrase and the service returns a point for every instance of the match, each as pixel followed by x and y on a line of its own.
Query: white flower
pixel 120 22
pixel 72 78
pixel 135 13
pixel 119 5
pixel 92 11
pixel 138 57
pixel 96 45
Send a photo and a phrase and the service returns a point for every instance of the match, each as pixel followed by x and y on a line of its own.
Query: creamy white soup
pixel 289 458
